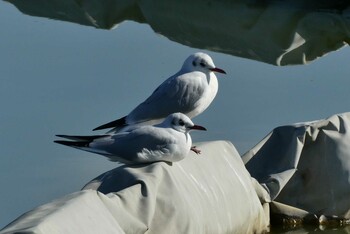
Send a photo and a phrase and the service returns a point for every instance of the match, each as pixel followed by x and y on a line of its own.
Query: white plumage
pixel 189 91
pixel 168 141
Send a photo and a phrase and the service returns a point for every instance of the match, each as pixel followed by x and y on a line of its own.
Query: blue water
pixel 62 77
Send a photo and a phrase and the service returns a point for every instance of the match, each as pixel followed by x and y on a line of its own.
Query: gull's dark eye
pixel 181 122
pixel 202 64
pixel 194 63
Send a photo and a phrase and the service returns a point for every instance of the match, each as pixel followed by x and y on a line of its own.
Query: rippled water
pixel 80 65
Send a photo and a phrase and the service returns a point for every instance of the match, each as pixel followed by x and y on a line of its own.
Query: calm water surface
pixel 62 77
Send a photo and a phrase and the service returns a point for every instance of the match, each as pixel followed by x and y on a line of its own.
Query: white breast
pixel 207 97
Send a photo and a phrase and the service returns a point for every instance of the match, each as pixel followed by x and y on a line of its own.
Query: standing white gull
pixel 168 141
pixel 189 91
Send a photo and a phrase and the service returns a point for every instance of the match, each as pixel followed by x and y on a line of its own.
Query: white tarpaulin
pixel 306 166
pixel 207 193
pixel 303 168
pixel 276 32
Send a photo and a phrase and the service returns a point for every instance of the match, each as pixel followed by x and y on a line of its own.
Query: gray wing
pixel 126 146
pixel 176 94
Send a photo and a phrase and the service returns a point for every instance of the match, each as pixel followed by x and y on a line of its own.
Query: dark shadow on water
pixel 310 229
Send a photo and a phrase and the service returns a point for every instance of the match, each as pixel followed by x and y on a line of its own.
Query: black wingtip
pixel 62 136
pixel 116 123
pixel 67 143
pixel 81 138
pixel 73 143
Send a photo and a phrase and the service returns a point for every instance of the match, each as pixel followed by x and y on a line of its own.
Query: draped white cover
pixel 207 193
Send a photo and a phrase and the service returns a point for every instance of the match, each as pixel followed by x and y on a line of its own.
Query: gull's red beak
pixel 197 127
pixel 216 69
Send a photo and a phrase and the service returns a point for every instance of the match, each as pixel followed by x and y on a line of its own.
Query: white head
pixel 200 62
pixel 181 123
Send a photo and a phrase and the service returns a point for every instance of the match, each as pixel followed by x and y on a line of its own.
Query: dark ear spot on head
pixel 194 63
